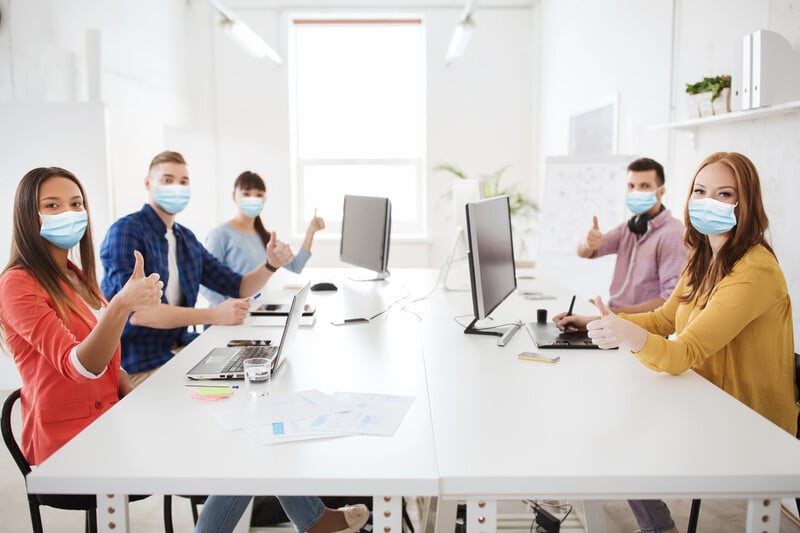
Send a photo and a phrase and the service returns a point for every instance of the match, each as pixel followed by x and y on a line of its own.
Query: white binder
pixel 775 76
pixel 740 79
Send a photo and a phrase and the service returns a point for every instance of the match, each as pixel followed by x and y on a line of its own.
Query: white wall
pixel 632 47
pixel 479 115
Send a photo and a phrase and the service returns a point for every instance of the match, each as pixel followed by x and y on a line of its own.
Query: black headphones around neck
pixel 638 223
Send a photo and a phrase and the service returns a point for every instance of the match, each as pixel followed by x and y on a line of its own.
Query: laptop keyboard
pixel 236 364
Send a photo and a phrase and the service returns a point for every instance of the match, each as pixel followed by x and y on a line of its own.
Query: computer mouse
pixel 324 286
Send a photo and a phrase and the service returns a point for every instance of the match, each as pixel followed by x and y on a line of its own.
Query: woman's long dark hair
pixel 30 251
pixel 702 268
pixel 251 180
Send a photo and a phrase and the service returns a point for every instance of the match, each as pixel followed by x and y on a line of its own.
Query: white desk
pixel 596 425
pixel 484 426
pixel 160 441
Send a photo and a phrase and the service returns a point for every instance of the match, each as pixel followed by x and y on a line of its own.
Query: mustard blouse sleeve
pixel 748 291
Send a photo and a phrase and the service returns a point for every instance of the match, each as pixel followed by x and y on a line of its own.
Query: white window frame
pixel 418 229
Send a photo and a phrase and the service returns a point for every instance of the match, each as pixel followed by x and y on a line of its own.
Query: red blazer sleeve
pixel 29 314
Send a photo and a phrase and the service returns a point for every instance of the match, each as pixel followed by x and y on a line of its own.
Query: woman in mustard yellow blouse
pixel 730 311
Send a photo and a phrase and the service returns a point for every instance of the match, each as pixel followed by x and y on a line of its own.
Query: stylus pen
pixel 571 305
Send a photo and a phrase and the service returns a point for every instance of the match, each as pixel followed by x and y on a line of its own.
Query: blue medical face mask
pixel 639 201
pixel 251 206
pixel 172 198
pixel 711 217
pixel 66 229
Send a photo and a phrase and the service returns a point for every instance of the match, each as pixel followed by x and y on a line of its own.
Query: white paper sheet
pixel 242 412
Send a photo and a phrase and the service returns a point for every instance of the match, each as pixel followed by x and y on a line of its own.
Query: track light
pixel 461 34
pixel 243 35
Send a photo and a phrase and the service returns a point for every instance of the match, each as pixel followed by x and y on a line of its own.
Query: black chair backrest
pixel 797 376
pixel 8 434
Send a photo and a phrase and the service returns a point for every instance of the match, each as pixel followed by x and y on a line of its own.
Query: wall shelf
pixel 733 116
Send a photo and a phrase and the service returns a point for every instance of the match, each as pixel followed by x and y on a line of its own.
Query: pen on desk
pixel 571 305
pixel 212 386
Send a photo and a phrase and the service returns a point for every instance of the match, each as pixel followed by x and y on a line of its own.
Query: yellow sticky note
pixel 215 391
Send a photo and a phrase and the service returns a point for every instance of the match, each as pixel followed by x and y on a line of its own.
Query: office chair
pixel 71 502
pixel 694 514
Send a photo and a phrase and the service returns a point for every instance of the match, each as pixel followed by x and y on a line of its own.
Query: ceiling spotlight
pixel 243 35
pixel 461 34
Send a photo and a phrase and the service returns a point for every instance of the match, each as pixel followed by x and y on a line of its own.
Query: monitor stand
pixel 505 335
pixel 451 258
pixel 377 276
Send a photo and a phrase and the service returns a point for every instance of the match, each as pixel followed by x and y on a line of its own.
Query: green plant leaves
pixel 518 202
pixel 713 85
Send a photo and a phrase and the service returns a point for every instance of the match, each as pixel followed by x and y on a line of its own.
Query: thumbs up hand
pixel 610 331
pixel 140 291
pixel 278 253
pixel 594 239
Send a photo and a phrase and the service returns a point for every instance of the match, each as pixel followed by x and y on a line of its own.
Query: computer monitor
pixel 491 257
pixel 366 233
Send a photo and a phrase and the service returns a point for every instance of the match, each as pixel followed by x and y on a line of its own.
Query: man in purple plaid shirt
pixel 649 247
pixel 150 337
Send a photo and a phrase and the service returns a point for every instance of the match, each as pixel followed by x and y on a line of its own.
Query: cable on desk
pixel 455 319
pixel 403 297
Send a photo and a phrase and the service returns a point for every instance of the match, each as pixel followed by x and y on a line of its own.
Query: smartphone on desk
pixel 539 357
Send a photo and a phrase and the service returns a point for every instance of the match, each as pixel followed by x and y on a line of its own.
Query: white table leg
pixel 594 516
pixel 763 515
pixel 387 514
pixel 445 512
pixel 112 513
pixel 481 515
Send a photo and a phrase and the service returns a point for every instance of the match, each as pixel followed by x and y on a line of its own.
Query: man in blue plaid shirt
pixel 173 251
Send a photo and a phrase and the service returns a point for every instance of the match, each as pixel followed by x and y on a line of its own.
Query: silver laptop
pixel 227 362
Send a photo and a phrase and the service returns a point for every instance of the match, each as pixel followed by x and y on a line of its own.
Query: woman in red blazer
pixel 53 318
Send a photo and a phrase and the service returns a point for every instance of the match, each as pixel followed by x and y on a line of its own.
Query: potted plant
pixel 711 96
pixel 521 207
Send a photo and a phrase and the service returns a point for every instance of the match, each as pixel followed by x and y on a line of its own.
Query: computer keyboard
pixel 236 364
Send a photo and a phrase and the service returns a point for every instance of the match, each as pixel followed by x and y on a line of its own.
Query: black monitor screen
pixel 366 232
pixel 491 253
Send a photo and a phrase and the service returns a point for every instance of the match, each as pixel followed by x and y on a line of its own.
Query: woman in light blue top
pixel 241 242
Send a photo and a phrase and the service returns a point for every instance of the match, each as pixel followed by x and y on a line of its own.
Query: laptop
pixel 227 362
pixel 549 336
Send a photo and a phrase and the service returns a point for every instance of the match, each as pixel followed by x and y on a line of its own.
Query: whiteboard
pixel 66 135
pixel 575 189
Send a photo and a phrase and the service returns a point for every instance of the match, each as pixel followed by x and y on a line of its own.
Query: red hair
pixel 703 269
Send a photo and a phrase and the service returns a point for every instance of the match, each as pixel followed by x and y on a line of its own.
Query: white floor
pixel 146 515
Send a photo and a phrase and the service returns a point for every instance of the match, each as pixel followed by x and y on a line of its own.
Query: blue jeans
pixel 653 516
pixel 220 514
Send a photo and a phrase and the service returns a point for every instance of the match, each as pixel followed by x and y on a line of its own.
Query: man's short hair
pixel 167 157
pixel 645 163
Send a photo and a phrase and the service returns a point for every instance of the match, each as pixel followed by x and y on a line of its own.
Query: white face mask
pixel 251 206
pixel 172 198
pixel 66 229
pixel 711 217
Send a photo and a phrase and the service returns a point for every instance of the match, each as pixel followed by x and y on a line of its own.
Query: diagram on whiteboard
pixel 575 189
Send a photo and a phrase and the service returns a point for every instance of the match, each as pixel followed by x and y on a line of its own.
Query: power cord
pixel 544 520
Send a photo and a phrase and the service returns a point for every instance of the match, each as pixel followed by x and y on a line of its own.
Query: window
pixel 357 91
